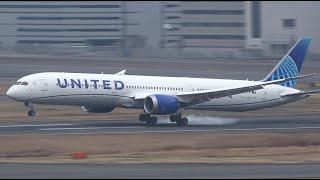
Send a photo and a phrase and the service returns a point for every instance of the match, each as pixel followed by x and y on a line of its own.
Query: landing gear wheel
pixel 31 113
pixel 182 122
pixel 152 121
pixel 175 118
pixel 179 120
pixel 144 117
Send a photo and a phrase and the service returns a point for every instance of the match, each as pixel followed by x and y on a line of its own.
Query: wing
pixel 195 97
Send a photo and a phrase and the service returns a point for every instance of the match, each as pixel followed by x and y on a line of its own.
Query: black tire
pixel 154 120
pixel 173 118
pixel 184 121
pixel 151 121
pixel 142 117
pixel 31 113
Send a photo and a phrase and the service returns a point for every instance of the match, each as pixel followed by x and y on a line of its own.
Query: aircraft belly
pixel 78 100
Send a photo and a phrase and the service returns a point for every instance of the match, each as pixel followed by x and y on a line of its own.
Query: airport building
pixel 203 25
pixel 214 28
pixel 241 28
pixel 282 23
pixel 68 23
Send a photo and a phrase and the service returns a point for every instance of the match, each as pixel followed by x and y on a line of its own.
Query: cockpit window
pixel 17 83
pixel 24 83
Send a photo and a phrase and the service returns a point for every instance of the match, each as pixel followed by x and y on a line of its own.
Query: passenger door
pixel 43 85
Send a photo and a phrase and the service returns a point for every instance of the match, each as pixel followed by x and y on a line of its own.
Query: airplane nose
pixel 16 93
pixel 10 93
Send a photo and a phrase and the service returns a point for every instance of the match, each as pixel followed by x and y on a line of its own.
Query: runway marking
pixel 159 131
pixel 164 131
pixel 177 130
pixel 34 125
pixel 88 128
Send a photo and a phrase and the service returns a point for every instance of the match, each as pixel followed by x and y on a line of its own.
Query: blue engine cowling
pixel 161 104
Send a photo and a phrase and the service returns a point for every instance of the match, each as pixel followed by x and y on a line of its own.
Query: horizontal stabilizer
pixel 302 93
pixel 313 92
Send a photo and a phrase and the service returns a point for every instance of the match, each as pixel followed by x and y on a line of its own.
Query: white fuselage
pixel 109 90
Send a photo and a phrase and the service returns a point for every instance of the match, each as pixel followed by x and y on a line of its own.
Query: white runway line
pixel 157 131
pixel 34 125
pixel 168 131
pixel 85 128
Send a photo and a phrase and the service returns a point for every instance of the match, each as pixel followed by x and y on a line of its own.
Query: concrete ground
pixel 158 170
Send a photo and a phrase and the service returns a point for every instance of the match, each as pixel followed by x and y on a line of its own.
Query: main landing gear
pixel 31 112
pixel 150 120
pixel 179 120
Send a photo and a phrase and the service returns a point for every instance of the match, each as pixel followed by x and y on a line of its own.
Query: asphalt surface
pixel 144 171
pixel 165 171
pixel 197 124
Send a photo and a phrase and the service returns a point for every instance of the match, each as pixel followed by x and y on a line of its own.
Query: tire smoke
pixel 209 120
pixel 202 120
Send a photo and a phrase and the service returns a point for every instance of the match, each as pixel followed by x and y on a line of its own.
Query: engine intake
pixel 161 104
pixel 94 109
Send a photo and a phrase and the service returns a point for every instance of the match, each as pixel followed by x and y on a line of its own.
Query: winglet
pixel 123 72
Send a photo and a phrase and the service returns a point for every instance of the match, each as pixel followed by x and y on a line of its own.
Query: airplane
pixel 161 95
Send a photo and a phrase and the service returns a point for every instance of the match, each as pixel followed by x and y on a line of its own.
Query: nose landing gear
pixel 31 112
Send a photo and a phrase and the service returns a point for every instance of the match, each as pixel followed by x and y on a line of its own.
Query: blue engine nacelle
pixel 161 104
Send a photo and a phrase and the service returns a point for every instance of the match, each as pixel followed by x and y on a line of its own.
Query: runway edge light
pixel 79 155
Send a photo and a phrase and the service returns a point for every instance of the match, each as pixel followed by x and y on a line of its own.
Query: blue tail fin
pixel 291 63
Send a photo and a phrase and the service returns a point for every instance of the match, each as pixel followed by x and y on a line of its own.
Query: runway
pixel 144 171
pixel 309 123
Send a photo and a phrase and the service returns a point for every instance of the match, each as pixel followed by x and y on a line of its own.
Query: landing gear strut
pixel 150 120
pixel 31 112
pixel 179 120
